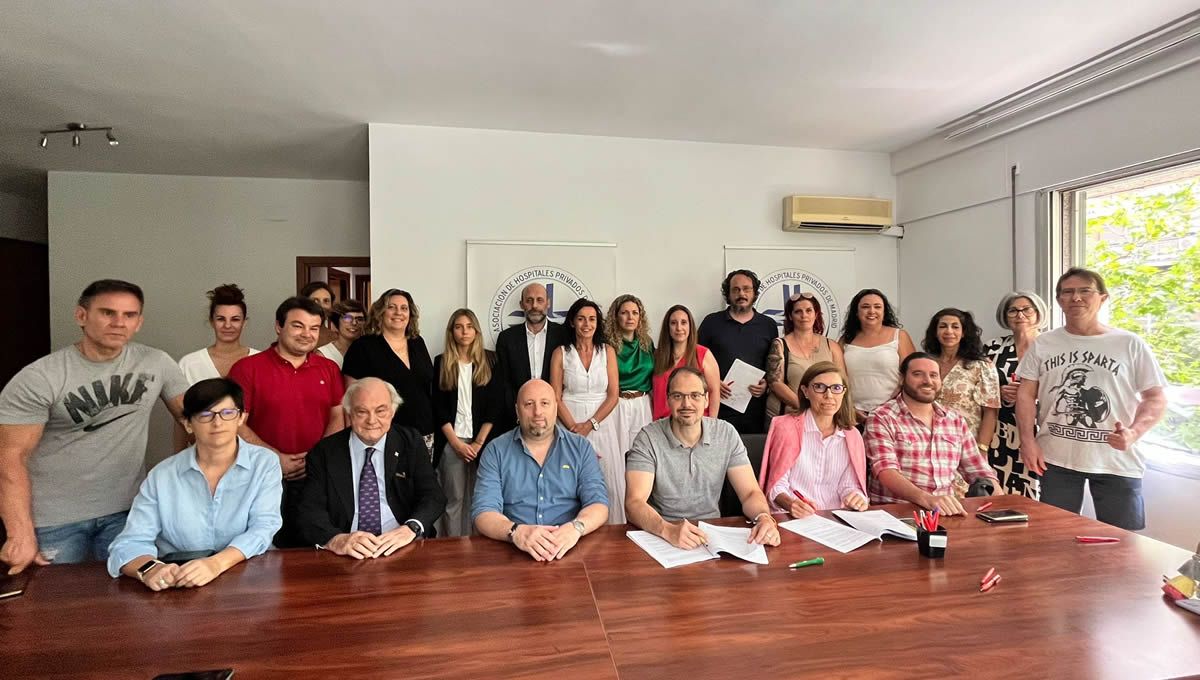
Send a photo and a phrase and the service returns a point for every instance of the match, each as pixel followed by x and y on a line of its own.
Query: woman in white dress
pixel 584 375
pixel 349 318
pixel 227 316
pixel 873 345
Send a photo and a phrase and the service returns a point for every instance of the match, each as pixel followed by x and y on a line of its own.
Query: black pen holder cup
pixel 932 543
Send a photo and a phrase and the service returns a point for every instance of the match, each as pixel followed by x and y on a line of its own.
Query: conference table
pixel 477 608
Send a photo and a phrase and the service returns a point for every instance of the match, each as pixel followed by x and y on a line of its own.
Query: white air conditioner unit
pixel 836 213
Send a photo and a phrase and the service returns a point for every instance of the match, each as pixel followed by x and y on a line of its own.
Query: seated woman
pixel 814 459
pixel 217 500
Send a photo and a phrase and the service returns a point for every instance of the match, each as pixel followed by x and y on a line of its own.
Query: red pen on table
pixel 1097 539
pixel 985 506
pixel 990 584
pixel 990 573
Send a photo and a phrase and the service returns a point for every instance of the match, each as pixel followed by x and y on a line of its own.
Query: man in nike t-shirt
pixel 73 430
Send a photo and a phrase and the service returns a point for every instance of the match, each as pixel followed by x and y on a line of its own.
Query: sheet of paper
pixel 743 376
pixel 828 533
pixel 733 540
pixel 666 554
pixel 877 523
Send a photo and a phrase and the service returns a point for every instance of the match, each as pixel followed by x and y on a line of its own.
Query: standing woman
pixel 874 345
pixel 393 350
pixel 584 375
pixel 1025 314
pixel 803 344
pixel 466 402
pixel 969 383
pixel 677 347
pixel 227 316
pixel 627 330
pixel 348 319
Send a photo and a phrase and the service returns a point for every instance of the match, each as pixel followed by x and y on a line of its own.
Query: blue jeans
pixel 1118 500
pixel 80 541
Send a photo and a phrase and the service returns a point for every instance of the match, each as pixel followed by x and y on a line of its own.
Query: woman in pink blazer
pixel 814 459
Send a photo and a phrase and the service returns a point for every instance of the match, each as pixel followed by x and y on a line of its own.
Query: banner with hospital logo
pixel 827 273
pixel 497 272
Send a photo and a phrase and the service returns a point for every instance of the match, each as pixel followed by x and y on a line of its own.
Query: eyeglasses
pixel 1081 292
pixel 225 413
pixel 802 296
pixel 822 388
pixel 1022 311
pixel 353 318
pixel 678 397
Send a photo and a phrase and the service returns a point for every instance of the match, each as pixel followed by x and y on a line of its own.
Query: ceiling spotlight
pixel 75 130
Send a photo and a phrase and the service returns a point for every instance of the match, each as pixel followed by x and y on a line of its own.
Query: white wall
pixel 669 206
pixel 178 237
pixel 953 200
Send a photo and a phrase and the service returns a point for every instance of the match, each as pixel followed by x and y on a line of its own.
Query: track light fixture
pixel 75 129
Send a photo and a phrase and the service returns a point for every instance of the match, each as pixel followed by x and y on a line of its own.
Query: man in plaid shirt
pixel 915 446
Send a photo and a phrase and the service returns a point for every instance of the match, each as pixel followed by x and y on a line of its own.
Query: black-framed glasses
pixel 1023 311
pixel 225 413
pixel 822 388
pixel 680 396
pixel 353 318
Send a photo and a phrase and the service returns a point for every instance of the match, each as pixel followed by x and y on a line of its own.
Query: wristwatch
pixel 513 530
pixel 595 423
pixel 415 526
pixel 146 569
pixel 579 526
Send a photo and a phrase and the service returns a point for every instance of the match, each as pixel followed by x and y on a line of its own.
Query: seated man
pixel 678 465
pixel 906 466
pixel 539 485
pixel 370 489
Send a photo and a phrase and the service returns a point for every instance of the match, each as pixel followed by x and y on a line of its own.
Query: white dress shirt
pixel 536 343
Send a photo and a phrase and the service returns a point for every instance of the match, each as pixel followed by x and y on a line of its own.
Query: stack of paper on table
pixel 866 527
pixel 729 540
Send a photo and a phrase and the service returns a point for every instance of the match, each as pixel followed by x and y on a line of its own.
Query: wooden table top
pixel 476 608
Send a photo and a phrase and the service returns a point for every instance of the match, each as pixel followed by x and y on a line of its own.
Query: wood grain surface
pixel 475 608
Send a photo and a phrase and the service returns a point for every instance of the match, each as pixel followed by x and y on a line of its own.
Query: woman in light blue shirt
pixel 218 500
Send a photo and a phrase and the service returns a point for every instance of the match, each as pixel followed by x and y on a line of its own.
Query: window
pixel 1142 234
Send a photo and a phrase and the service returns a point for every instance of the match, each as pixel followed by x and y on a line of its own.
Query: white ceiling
pixel 283 88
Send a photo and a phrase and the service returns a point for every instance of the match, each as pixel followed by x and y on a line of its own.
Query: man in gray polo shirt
pixel 677 466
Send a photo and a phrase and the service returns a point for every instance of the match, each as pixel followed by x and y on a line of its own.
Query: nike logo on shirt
pixel 92 427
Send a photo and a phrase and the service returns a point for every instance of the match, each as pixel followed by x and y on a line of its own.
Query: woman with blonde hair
pixel 815 459
pixel 678 347
pixel 467 396
pixel 628 332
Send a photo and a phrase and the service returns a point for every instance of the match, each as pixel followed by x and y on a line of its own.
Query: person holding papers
pixel 814 459
pixel 678 465
pixel 915 445
pixel 740 333
pixel 539 486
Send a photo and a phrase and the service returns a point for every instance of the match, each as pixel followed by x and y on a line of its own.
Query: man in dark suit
pixel 370 488
pixel 524 351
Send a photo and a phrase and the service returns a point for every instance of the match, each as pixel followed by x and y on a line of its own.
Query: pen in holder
pixel 932 543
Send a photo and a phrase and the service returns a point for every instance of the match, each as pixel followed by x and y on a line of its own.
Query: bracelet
pixel 760 515
pixel 983 448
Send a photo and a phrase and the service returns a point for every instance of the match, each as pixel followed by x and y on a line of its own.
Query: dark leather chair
pixel 755 443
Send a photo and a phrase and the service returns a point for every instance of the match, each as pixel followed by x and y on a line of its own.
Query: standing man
pixel 678 465
pixel 539 486
pixel 915 445
pixel 1093 392
pixel 739 332
pixel 73 430
pixel 370 488
pixel 523 351
pixel 293 399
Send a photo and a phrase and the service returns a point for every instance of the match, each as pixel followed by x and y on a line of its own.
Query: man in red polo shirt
pixel 293 399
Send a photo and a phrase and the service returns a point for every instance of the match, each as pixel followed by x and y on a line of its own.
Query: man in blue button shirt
pixel 539 486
